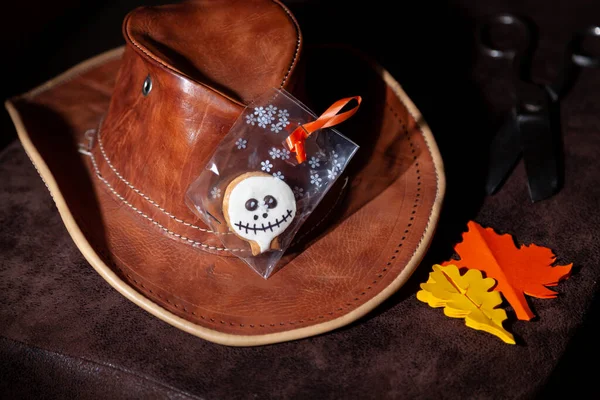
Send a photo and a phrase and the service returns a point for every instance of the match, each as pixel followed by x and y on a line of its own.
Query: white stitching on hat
pixel 142 194
pixel 99 175
pixel 298 42
pixel 287 74
pixel 97 171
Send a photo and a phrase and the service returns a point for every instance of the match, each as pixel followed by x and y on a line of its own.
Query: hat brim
pixel 374 235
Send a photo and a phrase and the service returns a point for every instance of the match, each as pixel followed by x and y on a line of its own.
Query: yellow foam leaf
pixel 466 296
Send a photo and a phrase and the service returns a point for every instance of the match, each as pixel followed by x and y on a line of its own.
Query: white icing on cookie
pixel 260 208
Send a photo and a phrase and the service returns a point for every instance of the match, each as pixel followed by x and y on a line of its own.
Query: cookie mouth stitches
pixel 241 226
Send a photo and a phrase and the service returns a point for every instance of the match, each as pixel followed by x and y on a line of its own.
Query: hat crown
pixel 187 72
pixel 239 48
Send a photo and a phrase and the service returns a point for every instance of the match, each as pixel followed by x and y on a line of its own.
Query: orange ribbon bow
pixel 330 117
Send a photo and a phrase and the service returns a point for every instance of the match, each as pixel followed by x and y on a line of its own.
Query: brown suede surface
pixel 58 318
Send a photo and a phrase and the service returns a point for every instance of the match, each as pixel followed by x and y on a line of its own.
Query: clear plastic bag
pixel 255 192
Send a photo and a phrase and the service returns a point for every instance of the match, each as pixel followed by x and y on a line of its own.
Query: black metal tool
pixel 532 128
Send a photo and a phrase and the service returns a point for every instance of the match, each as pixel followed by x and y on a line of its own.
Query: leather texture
pixel 61 375
pixel 128 200
pixel 160 142
pixel 239 48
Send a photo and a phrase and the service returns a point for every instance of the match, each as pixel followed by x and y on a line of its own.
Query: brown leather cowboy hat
pixel 119 138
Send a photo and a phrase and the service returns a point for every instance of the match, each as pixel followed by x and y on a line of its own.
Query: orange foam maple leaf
pixel 519 271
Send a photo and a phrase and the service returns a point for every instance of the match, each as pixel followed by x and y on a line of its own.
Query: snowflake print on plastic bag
pixel 275 153
pixel 241 143
pixel 314 162
pixel 265 116
pixel 298 192
pixel 279 175
pixel 336 165
pixel 269 114
pixel 321 155
pixel 215 192
pixel 259 111
pixel 262 121
pixel 332 173
pixel 266 166
pixel 276 128
pixel 251 119
pixel 283 121
pixel 283 114
pixel 285 154
pixel 268 118
pixel 315 179
pixel 336 161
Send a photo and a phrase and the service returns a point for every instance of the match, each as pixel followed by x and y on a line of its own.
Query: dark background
pixel 427 45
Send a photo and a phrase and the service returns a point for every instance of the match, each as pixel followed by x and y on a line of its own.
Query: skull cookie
pixel 258 208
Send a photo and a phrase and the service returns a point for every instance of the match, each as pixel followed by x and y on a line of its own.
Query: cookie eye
pixel 270 201
pixel 251 204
